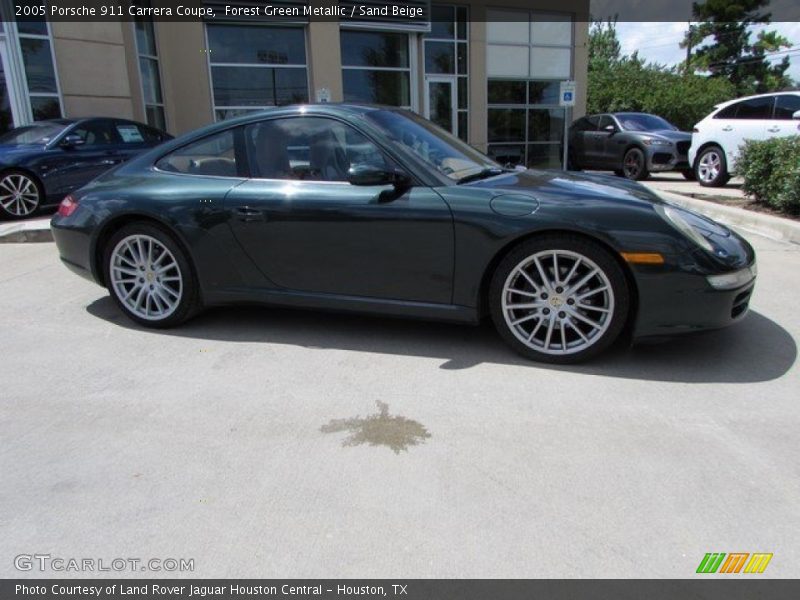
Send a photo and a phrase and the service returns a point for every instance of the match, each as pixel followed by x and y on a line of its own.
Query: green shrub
pixel 771 172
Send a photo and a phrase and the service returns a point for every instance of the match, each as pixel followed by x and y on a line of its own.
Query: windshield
pixel 33 134
pixel 444 152
pixel 642 122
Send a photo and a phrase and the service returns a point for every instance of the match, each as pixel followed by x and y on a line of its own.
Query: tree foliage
pixel 721 44
pixel 627 83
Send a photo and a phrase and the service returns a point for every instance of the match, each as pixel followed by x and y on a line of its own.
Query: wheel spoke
pixel 545 280
pixel 549 335
pixel 583 280
pixel 526 318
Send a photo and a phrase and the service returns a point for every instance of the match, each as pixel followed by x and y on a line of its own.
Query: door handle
pixel 727 128
pixel 248 214
pixel 774 129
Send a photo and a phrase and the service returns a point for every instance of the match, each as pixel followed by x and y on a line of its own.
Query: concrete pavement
pixel 279 443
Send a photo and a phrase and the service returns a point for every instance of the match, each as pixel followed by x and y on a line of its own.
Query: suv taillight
pixel 68 206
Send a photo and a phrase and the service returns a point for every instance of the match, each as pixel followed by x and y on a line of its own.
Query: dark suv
pixel 631 144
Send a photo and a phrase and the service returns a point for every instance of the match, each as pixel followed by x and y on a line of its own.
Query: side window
pixel 729 112
pixel 96 132
pixel 581 125
pixel 755 108
pixel 786 105
pixel 129 133
pixel 214 155
pixel 308 148
pixel 605 121
pixel 594 123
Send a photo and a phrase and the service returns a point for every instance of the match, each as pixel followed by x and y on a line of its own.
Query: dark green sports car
pixel 377 210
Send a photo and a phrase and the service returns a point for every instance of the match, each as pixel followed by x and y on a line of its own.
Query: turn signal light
pixel 68 206
pixel 643 258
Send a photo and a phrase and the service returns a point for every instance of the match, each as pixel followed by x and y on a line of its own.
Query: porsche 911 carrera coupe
pixel 377 210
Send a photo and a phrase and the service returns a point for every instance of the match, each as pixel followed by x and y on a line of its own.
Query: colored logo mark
pixel 735 562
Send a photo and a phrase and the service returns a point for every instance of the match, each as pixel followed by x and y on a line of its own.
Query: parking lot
pixel 298 444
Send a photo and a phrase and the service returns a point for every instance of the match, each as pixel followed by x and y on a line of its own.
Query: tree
pixel 627 83
pixel 730 54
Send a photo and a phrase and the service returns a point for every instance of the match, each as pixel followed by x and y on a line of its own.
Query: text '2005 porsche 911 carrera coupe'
pixel 377 210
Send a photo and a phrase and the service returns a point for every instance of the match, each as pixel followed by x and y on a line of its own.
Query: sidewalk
pixel 28 230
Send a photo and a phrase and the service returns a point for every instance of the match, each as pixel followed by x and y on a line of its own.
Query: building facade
pixel 490 74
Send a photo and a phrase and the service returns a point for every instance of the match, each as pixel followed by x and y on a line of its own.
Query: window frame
pixel 142 55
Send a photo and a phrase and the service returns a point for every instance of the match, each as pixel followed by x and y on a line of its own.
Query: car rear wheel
pixel 149 276
pixel 711 168
pixel 559 299
pixel 20 195
pixel 634 165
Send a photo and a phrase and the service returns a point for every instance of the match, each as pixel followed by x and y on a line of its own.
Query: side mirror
pixel 371 175
pixel 72 140
pixel 796 114
pixel 610 128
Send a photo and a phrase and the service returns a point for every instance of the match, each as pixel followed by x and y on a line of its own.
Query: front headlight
pixel 676 218
pixel 730 281
pixel 656 142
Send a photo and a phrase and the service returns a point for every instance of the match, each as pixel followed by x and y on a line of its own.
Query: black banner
pixel 734 588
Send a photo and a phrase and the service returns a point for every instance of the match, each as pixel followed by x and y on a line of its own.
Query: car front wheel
pixel 634 165
pixel 559 299
pixel 711 168
pixel 149 277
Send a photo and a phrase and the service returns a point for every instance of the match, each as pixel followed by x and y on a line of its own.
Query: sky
pixel 658 41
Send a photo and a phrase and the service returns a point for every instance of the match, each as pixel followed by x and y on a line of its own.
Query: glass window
pixel 38 61
pixel 256 44
pixel 214 155
pixel 786 105
pixel 440 57
pixel 507 92
pixel 442 22
pixel 145 37
pixel 546 124
pixel 606 121
pixel 729 112
pixel 151 82
pixel 45 107
pixel 373 49
pixel 544 156
pixel 32 25
pixel 543 92
pixel 508 154
pixel 38 133
pixel 376 87
pixel 255 67
pixel 149 70
pixel 97 132
pixel 755 108
pixel 506 125
pixel 309 149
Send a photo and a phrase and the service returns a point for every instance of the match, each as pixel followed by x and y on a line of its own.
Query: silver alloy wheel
pixel 558 302
pixel 146 277
pixel 710 166
pixel 19 195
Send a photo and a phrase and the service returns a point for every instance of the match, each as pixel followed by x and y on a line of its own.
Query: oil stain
pixel 380 429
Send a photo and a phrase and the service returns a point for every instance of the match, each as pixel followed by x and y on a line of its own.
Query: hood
pixel 668 134
pixel 569 184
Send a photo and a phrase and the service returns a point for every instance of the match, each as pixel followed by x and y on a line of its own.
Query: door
pixel 73 166
pixel 308 229
pixel 745 120
pixel 441 102
pixel 783 123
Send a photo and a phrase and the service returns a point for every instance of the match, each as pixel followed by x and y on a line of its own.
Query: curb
pixel 784 230
pixel 36 231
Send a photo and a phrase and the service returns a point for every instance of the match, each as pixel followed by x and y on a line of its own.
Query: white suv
pixel 716 139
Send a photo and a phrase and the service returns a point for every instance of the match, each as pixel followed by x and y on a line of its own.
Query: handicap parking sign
pixel 567 93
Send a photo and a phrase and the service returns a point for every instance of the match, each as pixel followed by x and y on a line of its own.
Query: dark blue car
pixel 42 162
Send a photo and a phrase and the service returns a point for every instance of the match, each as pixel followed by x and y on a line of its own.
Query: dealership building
pixel 493 72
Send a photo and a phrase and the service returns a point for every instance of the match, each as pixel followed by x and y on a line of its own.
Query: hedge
pixel 771 172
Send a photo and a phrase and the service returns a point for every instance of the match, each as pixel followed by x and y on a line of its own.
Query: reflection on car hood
pixel 569 184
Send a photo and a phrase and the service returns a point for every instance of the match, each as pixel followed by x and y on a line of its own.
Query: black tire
pixel 619 172
pixel 705 173
pixel 634 165
pixel 189 303
pixel 688 175
pixel 13 210
pixel 617 308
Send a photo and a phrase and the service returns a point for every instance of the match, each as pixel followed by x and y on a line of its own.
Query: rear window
pixel 214 155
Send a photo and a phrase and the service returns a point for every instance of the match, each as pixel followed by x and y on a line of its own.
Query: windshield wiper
pixel 482 174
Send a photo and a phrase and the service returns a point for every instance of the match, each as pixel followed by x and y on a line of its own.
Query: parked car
pixel 631 144
pixel 42 162
pixel 377 210
pixel 717 138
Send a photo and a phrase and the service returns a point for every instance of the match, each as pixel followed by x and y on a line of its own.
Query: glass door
pixel 440 102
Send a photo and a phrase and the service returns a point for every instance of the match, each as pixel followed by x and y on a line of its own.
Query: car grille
pixel 740 303
pixel 661 158
pixel 683 147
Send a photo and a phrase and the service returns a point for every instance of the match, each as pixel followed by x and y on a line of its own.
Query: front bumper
pixel 667 158
pixel 683 303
